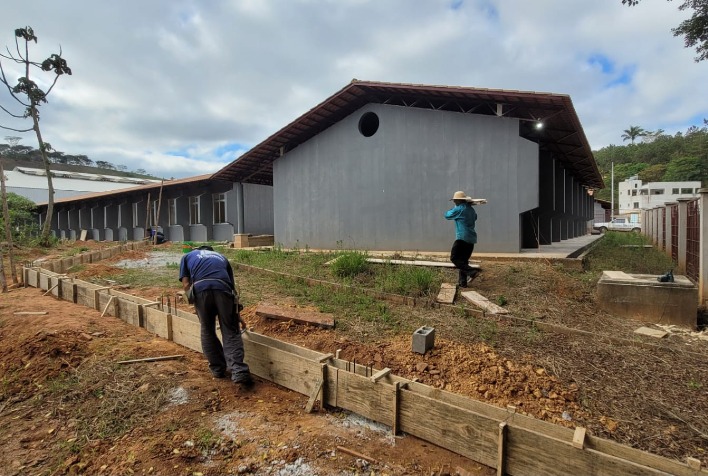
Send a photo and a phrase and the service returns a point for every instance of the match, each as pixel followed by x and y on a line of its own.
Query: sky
pixel 183 87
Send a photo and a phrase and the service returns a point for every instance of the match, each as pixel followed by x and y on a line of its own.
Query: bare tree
pixel 6 214
pixel 27 94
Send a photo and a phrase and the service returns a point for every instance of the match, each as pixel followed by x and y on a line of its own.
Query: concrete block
pixel 423 339
pixel 642 297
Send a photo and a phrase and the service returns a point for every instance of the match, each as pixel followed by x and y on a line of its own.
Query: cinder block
pixel 423 339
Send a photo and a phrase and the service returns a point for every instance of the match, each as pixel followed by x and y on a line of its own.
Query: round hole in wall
pixel 369 124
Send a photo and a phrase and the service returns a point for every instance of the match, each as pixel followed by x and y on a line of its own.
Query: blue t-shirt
pixel 207 270
pixel 465 217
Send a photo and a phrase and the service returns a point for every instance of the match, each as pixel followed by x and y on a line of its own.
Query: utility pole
pixel 612 179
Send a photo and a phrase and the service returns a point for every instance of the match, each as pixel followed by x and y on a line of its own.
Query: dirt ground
pixel 71 410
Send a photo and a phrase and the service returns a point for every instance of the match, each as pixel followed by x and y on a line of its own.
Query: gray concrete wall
pixel 390 191
pixel 258 211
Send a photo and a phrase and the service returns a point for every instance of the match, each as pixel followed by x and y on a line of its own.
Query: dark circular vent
pixel 369 124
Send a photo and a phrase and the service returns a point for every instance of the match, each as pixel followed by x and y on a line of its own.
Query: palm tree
pixel 633 132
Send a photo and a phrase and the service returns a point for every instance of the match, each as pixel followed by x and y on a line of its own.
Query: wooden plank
pixel 285 346
pixel 283 368
pixel 158 322
pixel 187 333
pixel 482 302
pixel 396 399
pixel 302 316
pixel 437 264
pixel 30 313
pixel 380 374
pixel 313 398
pixel 456 429
pixel 447 293
pixel 82 236
pixel 151 359
pixel 357 393
pixel 529 452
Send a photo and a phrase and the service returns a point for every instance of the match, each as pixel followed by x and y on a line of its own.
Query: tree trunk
pixel 3 283
pixel 47 227
pixel 8 227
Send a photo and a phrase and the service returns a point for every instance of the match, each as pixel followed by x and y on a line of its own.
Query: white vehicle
pixel 618 224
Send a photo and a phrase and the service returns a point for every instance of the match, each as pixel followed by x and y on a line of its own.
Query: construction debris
pixel 447 293
pixel 482 302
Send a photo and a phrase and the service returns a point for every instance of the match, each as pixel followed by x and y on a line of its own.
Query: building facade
pixel 634 195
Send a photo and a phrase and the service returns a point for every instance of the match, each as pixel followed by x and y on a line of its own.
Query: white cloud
pixel 210 79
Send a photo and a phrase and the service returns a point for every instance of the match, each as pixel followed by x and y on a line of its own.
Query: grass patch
pixel 618 251
pixel 350 264
pixel 407 280
pixel 143 277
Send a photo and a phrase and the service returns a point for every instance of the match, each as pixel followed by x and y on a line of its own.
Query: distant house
pixel 634 195
pixel 374 165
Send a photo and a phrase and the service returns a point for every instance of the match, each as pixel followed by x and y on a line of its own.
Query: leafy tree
pixel 653 173
pixel 28 95
pixel 694 30
pixel 686 169
pixel 632 133
pixel 23 221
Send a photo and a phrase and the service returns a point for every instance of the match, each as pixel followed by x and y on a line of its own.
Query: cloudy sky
pixel 182 87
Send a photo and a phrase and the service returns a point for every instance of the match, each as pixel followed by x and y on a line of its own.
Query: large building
pixel 634 195
pixel 373 167
pixel 31 183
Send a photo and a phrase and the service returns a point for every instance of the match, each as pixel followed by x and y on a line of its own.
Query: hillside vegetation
pixel 657 158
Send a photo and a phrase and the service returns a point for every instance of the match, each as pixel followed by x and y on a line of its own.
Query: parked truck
pixel 617 224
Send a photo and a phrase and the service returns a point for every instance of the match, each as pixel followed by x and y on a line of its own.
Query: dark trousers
pixel 460 257
pixel 210 304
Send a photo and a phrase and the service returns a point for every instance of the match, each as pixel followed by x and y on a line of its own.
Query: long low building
pixel 373 167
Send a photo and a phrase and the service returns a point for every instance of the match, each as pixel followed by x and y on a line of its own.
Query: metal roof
pixel 132 190
pixel 562 133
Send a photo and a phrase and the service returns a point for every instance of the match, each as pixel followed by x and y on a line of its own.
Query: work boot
pixel 246 384
pixel 472 276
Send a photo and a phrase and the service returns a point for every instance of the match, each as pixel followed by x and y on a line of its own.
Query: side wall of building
pixel 390 191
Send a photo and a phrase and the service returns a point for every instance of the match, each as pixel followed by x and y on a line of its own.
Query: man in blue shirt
pixel 212 278
pixel 465 236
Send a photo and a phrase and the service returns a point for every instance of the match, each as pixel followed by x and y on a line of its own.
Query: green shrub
pixel 407 280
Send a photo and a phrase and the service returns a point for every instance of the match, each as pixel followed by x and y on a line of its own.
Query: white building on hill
pixel 32 183
pixel 634 195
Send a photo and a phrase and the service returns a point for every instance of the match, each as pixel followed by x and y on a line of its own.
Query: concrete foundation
pixel 642 297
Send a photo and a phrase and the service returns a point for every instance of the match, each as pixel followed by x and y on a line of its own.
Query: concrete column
pixel 238 186
pixel 682 232
pixel 703 240
pixel 669 222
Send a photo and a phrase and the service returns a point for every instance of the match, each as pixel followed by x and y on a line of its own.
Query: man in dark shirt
pixel 212 277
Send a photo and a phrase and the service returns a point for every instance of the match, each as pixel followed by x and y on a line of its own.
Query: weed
pixel 206 440
pixel 172 266
pixel 627 252
pixel 350 264
pixel 694 385
pixel 407 280
pixel 77 268
pixel 501 300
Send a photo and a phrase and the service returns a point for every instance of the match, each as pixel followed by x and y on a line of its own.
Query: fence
pixel 680 229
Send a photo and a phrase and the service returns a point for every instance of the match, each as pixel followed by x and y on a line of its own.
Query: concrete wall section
pixel 390 191
pixel 258 210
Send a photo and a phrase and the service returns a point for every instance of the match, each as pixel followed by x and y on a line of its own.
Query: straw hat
pixel 460 195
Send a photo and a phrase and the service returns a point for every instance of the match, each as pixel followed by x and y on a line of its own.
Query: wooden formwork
pixel 512 443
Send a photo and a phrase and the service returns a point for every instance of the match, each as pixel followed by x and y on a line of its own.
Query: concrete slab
pixel 482 302
pixel 447 293
pixel 648 331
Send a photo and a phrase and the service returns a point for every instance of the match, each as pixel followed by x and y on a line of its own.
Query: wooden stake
pixel 51 289
pixel 151 359
pixel 579 437
pixel 110 300
pixel 500 449
pixel 157 218
pixel 396 402
pixel 356 454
